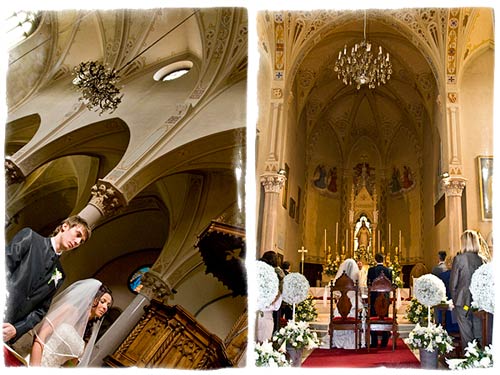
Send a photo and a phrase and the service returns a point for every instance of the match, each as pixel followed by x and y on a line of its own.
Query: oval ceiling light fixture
pixel 173 71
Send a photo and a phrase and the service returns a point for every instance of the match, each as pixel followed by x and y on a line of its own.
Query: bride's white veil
pixel 351 269
pixel 69 313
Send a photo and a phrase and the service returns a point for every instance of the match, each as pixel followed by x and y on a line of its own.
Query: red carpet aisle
pixel 402 357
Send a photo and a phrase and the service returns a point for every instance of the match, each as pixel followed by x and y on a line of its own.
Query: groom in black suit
pixel 34 273
pixel 373 273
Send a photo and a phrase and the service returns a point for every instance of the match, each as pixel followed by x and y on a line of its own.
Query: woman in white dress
pixel 66 336
pixel 345 339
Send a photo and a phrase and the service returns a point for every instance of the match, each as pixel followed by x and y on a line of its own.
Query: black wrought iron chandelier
pixel 361 67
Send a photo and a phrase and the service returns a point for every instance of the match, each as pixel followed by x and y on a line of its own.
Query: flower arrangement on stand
pixel 267 284
pixel 431 340
pixel 306 310
pixel 267 356
pixel 396 272
pixel 295 289
pixel 482 288
pixel 295 336
pixel 417 313
pixel 474 358
pixel 332 266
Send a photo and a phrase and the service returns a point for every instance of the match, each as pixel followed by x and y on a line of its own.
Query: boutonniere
pixel 56 276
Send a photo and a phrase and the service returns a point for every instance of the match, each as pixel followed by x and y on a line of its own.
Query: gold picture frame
pixel 485 174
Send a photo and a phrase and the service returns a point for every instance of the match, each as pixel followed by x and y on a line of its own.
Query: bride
pixel 345 339
pixel 66 336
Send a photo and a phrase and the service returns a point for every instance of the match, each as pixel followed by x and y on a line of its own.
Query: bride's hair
pixel 103 289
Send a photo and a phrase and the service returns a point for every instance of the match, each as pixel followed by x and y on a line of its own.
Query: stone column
pixel 453 187
pixel 273 183
pixel 105 201
pixel 153 287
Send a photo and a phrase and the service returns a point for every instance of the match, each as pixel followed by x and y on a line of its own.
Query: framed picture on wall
pixel 485 173
pixel 284 197
pixel 291 209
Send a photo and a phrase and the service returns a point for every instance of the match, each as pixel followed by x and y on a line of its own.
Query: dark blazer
pixel 464 265
pixel 30 263
pixel 373 273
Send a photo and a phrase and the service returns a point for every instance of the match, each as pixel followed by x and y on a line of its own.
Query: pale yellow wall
pixel 476 125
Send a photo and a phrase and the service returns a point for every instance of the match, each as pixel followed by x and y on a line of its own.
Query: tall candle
pixel 325 242
pixel 389 236
pixel 337 233
pixel 399 248
pixel 378 239
pixel 347 239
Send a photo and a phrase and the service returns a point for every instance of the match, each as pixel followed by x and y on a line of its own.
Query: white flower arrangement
pixel 429 290
pixel 431 338
pixel 306 310
pixel 267 285
pixel 267 356
pixel 295 288
pixel 482 288
pixel 297 335
pixel 474 358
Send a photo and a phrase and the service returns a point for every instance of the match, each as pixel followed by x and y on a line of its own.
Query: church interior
pixel 155 164
pixel 397 162
pixel 408 157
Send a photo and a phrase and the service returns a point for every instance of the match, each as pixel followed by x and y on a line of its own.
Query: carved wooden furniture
pixel 223 247
pixel 168 336
pixel 385 293
pixel 345 284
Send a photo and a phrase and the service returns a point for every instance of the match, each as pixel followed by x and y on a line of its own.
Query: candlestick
pixel 378 237
pixel 389 236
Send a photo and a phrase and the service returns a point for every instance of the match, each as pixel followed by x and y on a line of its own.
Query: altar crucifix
pixel 302 251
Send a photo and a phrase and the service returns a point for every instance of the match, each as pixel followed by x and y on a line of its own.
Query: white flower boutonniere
pixel 56 276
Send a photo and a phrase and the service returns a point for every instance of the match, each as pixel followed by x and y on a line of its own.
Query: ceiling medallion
pixel 97 86
pixel 361 67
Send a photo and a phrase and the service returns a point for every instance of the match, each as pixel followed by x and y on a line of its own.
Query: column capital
pixel 106 198
pixel 13 173
pixel 272 182
pixel 453 185
pixel 154 287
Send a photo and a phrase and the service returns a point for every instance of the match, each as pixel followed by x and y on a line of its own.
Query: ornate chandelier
pixel 361 67
pixel 97 85
pixel 97 82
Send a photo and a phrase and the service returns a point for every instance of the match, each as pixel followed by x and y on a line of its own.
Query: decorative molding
pixel 154 287
pixel 13 173
pixel 453 185
pixel 272 182
pixel 106 198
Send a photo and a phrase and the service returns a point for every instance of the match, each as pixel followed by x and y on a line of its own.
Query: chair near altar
pixel 385 298
pixel 345 284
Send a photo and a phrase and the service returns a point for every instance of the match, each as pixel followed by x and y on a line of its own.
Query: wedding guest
pixel 440 267
pixel 373 273
pixel 451 320
pixel 265 324
pixel 34 273
pixel 67 334
pixel 464 265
